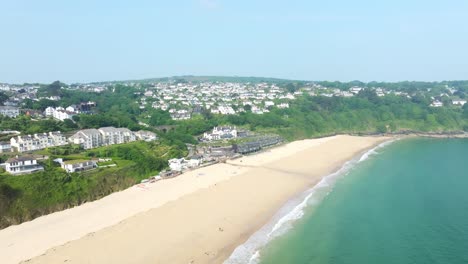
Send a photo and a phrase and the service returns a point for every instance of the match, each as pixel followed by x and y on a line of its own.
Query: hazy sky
pixel 97 40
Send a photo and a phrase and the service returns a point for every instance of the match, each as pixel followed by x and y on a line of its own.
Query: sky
pixel 104 40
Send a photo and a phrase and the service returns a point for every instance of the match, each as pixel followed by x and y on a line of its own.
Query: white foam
pixel 282 221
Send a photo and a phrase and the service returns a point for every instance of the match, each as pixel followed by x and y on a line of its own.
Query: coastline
pixel 218 208
pixel 293 209
pixel 410 133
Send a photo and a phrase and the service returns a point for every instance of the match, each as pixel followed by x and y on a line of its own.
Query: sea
pixel 405 201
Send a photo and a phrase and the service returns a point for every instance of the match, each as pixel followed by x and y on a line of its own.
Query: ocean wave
pixel 282 221
pixel 374 150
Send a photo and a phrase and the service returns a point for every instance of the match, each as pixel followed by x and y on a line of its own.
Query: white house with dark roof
pixel 22 165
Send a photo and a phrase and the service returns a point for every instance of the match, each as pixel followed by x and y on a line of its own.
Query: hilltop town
pixel 183 99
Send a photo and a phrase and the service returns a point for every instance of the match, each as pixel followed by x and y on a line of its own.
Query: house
pixel 355 89
pixel 146 135
pixel 437 104
pixel 49 111
pixel 87 138
pixel 37 141
pixel 93 138
pixel 22 165
pixel 459 102
pixel 283 105
pixel 61 113
pixel 195 161
pixel 24 143
pixel 5 147
pixel 127 134
pixel 57 138
pixel 176 164
pixel 9 111
pixel 78 165
pixel 112 135
pixel 221 133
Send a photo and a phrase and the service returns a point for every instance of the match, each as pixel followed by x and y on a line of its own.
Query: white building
pixel 57 138
pixel 146 135
pixel 283 105
pixel 22 165
pixel 87 138
pixel 459 102
pixel 355 89
pixel 437 104
pixel 226 110
pixel 49 111
pixel 176 164
pixel 37 141
pixel 104 136
pixel 74 165
pixel 195 161
pixel 9 111
pixel 61 113
pixel 112 135
pixel 5 147
pixel 221 133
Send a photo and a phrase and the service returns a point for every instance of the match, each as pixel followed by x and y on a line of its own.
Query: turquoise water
pixel 408 204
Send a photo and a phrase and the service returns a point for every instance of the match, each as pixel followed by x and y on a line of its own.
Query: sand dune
pixel 198 217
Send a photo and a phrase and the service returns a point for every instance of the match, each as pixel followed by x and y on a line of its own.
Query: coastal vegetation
pixel 26 197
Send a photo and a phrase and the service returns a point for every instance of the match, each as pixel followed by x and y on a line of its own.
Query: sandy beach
pixel 198 217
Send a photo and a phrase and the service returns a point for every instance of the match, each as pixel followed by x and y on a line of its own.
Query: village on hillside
pixel 181 100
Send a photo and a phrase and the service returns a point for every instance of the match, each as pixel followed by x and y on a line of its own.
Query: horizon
pixel 114 40
pixel 227 76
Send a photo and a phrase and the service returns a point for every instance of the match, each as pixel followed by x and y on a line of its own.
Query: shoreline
pixel 403 134
pixel 248 251
pixel 230 178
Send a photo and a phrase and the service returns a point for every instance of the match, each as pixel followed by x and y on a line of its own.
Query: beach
pixel 198 217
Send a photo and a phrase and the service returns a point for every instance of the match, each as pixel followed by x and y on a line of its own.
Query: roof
pixel 145 133
pixel 89 132
pixel 123 129
pixel 108 129
pixel 8 108
pixel 76 161
pixel 22 158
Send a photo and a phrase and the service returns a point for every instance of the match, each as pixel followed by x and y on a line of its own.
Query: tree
pixel 3 97
pixel 53 89
pixel 291 87
pixel 160 117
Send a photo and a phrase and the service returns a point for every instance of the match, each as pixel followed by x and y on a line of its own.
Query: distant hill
pixel 192 78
